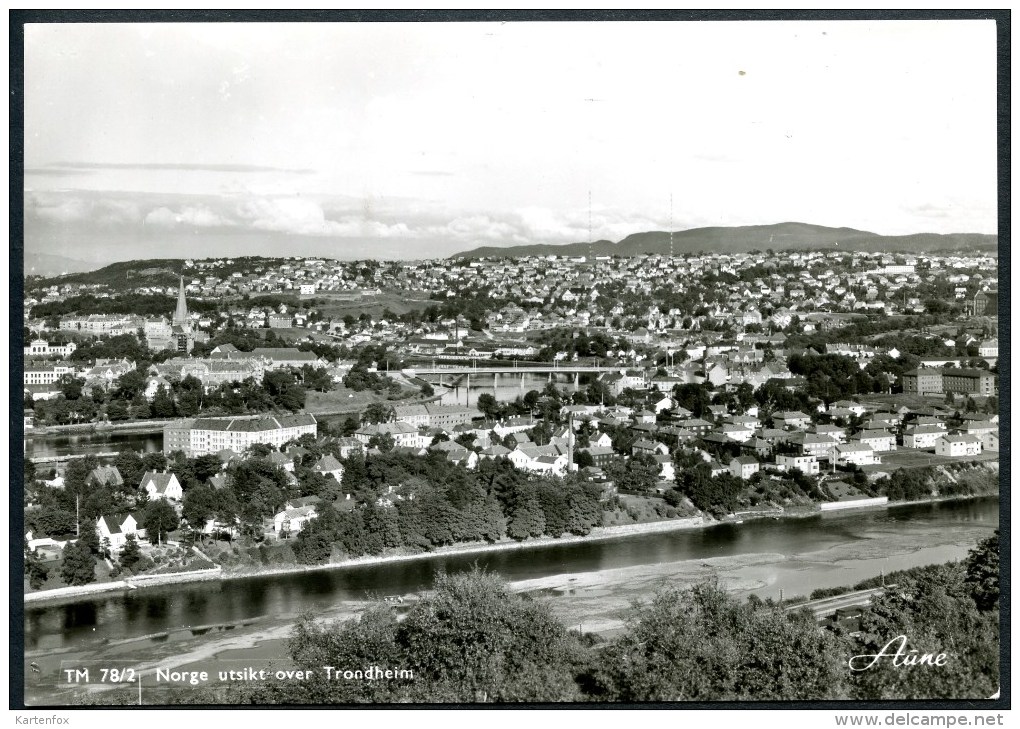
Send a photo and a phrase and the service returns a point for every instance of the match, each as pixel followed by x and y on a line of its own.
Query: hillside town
pixel 691 387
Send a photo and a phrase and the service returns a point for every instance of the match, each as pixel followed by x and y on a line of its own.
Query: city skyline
pixel 419 140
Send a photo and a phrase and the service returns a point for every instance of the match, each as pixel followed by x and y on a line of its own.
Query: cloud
pixel 46 172
pixel 99 211
pixel 301 216
pixel 195 216
pixel 399 222
pixel 176 166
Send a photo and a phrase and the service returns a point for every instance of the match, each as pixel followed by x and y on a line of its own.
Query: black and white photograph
pixel 510 360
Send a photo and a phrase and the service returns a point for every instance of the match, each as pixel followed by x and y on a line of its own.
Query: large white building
pixel 42 348
pixel 46 374
pixel 201 436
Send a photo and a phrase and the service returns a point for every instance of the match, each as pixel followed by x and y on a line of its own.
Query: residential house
pixel 162 485
pixel 922 436
pixel 791 419
pixel 835 432
pixel 877 440
pixel 648 447
pixel 743 467
pixel 349 446
pixel 956 445
pixel 289 522
pixel 819 446
pixel 105 476
pixel 328 465
pixel 805 464
pixel 856 454
pixel 116 529
pixel 601 455
pixel 667 470
pixel 737 432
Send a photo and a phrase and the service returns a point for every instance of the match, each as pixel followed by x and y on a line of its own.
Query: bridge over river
pixel 508 369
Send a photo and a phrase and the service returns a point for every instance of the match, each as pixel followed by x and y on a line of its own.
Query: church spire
pixel 181 314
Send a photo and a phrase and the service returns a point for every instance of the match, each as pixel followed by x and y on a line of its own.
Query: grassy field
pixel 913 458
pixel 919 401
pixel 342 399
pixel 397 302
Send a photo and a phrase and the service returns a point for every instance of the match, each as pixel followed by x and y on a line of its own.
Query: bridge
pixel 826 606
pixel 509 369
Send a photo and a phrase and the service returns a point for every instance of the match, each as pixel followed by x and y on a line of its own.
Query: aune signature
pixel 900 656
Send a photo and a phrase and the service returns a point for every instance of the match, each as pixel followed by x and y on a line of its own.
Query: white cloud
pixel 196 216
pixel 102 211
pixel 301 216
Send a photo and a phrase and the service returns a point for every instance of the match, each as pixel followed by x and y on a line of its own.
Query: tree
pixel 162 405
pixel 155 461
pixel 88 536
pixel 983 572
pixel 489 406
pixel 159 519
pixel 56 522
pixel 131 469
pixel 200 504
pixel 474 640
pixel 934 608
pixel 584 459
pixel 117 410
pixel 383 441
pixel 131 554
pixel 35 570
pixel 377 412
pixel 701 644
pixel 79 566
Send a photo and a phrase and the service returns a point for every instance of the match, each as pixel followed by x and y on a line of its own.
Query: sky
pixel 417 140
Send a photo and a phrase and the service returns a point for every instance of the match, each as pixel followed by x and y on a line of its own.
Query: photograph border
pixel 18 19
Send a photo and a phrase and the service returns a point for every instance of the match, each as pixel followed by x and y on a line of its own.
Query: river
pixel 933 533
pixel 464 390
pixel 53 445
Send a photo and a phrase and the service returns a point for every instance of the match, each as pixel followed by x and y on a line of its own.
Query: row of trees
pixel 473 640
pixel 441 504
pixel 279 390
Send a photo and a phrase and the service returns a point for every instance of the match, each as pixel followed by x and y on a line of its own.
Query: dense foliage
pixel 472 640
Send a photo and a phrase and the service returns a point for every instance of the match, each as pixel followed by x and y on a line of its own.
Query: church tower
pixel 183 338
pixel 181 314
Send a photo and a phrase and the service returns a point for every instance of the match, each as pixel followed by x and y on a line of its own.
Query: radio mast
pixel 670 227
pixel 591 247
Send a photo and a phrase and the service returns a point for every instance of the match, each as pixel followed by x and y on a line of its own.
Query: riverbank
pixel 593 599
pixel 142 427
pixel 597 534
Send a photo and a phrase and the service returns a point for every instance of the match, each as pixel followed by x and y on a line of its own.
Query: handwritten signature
pixel 900 657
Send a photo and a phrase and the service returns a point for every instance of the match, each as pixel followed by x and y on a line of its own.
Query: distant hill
pixel 742 239
pixel 125 275
pixel 45 264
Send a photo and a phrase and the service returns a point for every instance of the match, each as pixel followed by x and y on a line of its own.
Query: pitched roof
pixel 107 475
pixel 160 481
pixel 255 425
pixel 327 463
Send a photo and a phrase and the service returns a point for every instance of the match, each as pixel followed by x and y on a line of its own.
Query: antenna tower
pixel 591 247
pixel 671 226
